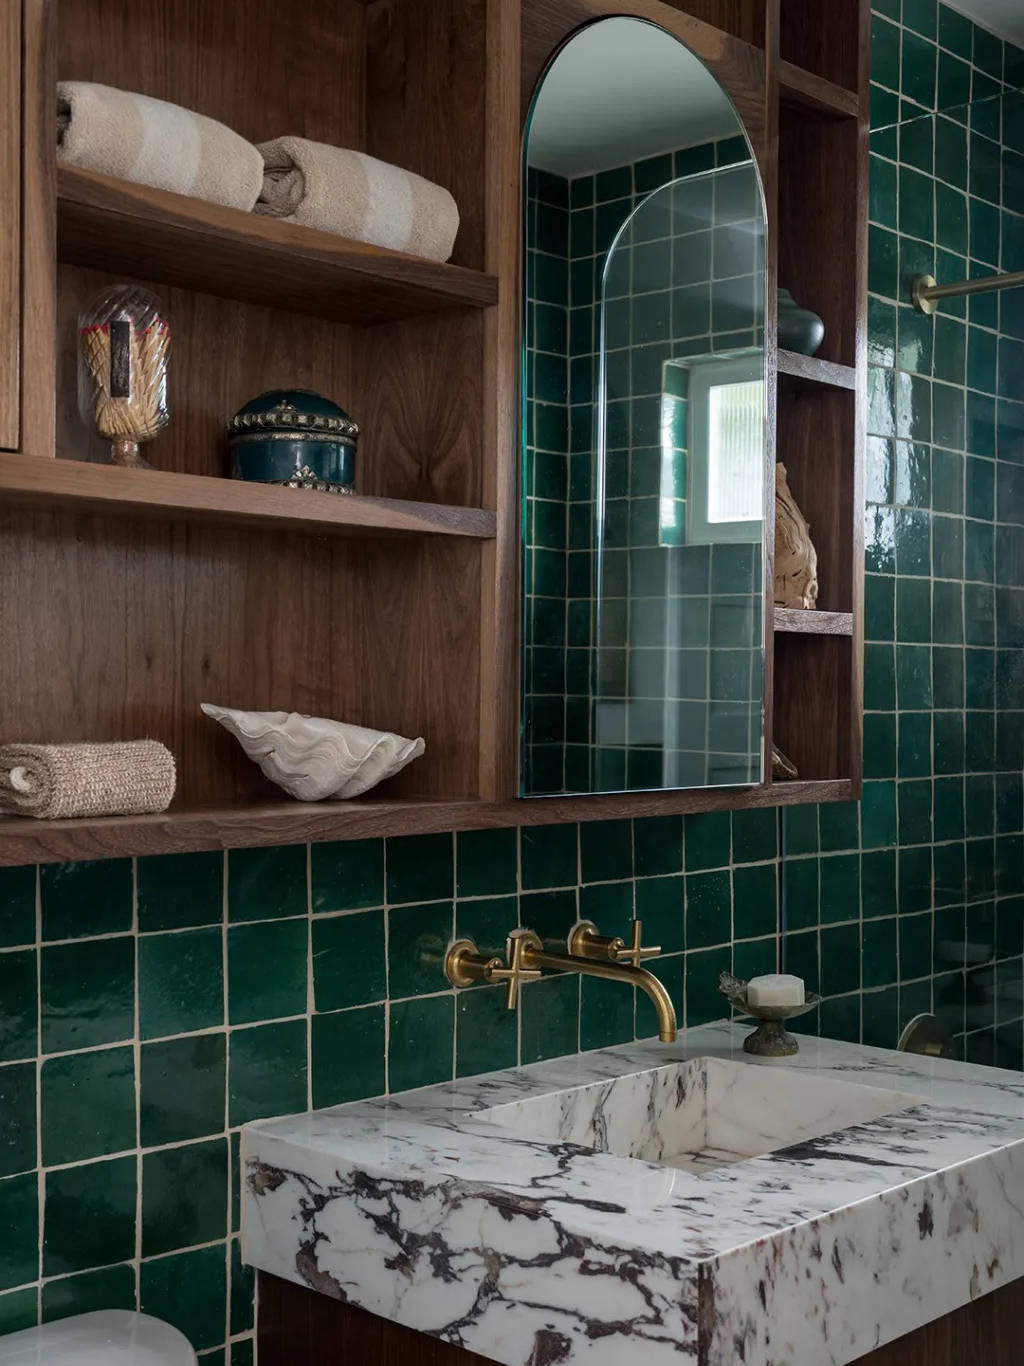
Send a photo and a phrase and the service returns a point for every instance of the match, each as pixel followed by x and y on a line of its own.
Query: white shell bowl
pixel 313 758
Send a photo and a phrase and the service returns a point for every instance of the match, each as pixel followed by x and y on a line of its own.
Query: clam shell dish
pixel 314 759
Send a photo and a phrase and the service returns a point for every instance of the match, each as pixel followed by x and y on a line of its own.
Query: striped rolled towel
pixel 155 143
pixel 57 782
pixel 357 196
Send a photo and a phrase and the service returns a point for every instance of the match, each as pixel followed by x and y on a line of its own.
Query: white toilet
pixel 108 1337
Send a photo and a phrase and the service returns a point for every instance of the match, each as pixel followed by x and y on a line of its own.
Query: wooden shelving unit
pixel 32 482
pixel 134 230
pixel 129 597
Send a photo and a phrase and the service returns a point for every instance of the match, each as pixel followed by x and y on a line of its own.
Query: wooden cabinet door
pixel 10 222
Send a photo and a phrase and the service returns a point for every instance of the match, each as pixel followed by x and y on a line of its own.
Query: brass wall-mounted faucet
pixel 590 953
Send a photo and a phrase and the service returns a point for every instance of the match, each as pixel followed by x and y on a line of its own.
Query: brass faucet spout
pixel 536 957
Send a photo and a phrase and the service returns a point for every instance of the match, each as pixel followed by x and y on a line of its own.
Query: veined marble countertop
pixel 533 1251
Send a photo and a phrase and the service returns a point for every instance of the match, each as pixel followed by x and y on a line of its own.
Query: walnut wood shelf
pixel 39 482
pixel 808 91
pixel 135 230
pixel 813 623
pixel 807 373
pixel 259 823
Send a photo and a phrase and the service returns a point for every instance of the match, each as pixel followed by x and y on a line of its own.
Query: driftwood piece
pixel 796 560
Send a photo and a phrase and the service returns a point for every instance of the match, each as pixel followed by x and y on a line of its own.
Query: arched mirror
pixel 643 432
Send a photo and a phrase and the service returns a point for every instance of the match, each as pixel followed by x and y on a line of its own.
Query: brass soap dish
pixel 769 1039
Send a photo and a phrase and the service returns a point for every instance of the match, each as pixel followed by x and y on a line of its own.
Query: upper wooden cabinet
pixel 10 225
pixel 128 598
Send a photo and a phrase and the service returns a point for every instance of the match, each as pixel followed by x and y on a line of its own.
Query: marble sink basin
pixel 700 1114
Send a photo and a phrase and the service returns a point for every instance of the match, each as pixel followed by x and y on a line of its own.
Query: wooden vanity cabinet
pixel 130 596
pixel 300 1327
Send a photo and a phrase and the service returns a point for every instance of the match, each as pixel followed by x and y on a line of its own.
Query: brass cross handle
pixel 517 971
pixel 635 953
pixel 586 942
pixel 464 965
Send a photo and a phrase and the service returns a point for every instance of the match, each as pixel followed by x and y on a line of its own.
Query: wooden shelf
pixel 813 623
pixel 42 482
pixel 138 231
pixel 271 822
pixel 808 91
pixel 808 373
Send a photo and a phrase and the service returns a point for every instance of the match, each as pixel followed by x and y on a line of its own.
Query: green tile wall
pixel 141 1023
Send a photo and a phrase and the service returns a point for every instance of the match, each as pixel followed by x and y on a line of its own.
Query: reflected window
pixel 725 494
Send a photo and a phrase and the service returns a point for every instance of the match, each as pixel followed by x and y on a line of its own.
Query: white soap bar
pixel 775 989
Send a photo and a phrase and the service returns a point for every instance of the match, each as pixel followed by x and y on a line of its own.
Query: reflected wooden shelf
pixel 807 373
pixel 807 91
pixel 72 484
pixel 258 823
pixel 813 623
pixel 134 230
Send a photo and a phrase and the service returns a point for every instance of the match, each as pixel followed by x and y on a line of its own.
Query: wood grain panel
pixel 426 101
pixel 138 231
pixel 124 628
pixel 813 623
pixel 810 372
pixel 10 225
pixel 744 19
pixel 813 703
pixel 805 89
pixel 828 44
pixel 263 68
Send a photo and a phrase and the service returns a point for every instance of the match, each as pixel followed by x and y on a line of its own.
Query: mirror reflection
pixel 643 424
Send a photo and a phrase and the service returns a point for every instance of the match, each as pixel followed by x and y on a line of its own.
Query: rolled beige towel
pixel 357 196
pixel 57 782
pixel 155 143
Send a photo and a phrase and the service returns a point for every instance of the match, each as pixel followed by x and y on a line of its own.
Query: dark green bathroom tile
pixel 883 259
pixel 914 759
pixel 754 835
pixel 241 1305
pixel 916 205
pixel 917 144
pixel 17 906
pixel 111 1287
pixel 755 957
pixel 914 799
pixel 19 1309
pixel 486 1032
pixel 17 1118
pixel 948 547
pixel 979 552
pixel 839 823
pixel 19 1230
pixel 755 901
pixel 421 1036
pixel 878 883
pixel 885 53
pixel 268 970
pixel 879 677
pixel 879 953
pixel 487 862
pixel 88 1105
pixel 267 884
pixel 881 403
pixel 606 850
pixel 979 618
pixel 81 899
pixel 948 416
pixel 181 982
pixel 180 890
pixel 840 959
pixel 658 845
pixel 840 888
pixel 951 147
pixel 549 856
pixel 189 1291
pixel 266 1071
pixel 879 605
pixel 801 892
pixel 609 905
pixel 181 1091
pixel 550 1018
pixel 348 960
pixel 418 936
pixel 87 993
pixel 881 342
pixel 19 1005
pixel 878 815
pixel 918 70
pixel 879 745
pixel 184 1196
pixel 708 840
pixel 488 921
pixel 347 875
pixel 704 1002
pixel 947 481
pixel 660 906
pixel 913 610
pixel 606 1014
pixel 799 830
pixel 348 1060
pixel 915 350
pixel 913 542
pixel 949 743
pixel 89 1217
pixel 708 909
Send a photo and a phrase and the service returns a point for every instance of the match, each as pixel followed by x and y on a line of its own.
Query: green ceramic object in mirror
pixel 643 424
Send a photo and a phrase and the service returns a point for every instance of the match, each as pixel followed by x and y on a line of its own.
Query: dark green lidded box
pixel 294 437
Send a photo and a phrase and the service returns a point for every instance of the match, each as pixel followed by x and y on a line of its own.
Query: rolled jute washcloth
pixel 155 143
pixel 357 196
pixel 57 782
